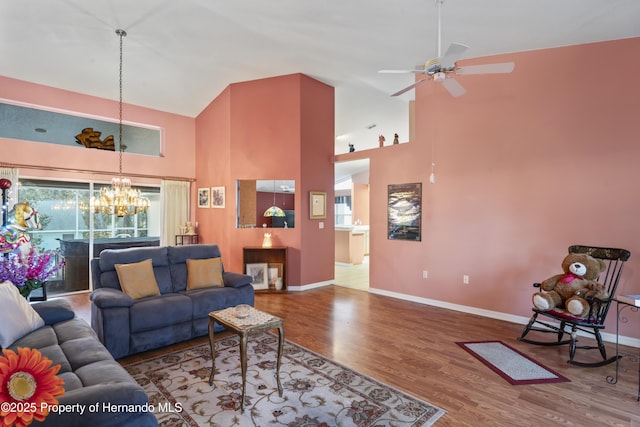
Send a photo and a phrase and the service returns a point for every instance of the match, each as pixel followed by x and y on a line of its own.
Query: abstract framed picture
pixel 404 212
pixel 217 197
pixel 204 196
pixel 259 273
pixel 317 205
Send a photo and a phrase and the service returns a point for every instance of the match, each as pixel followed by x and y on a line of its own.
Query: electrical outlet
pixel 465 279
pixel 425 274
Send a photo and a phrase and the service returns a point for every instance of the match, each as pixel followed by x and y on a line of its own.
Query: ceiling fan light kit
pixel 443 69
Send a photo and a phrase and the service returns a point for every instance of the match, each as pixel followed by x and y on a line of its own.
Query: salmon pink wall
pixel 267 129
pixel 526 164
pixel 178 152
pixel 317 255
pixel 213 156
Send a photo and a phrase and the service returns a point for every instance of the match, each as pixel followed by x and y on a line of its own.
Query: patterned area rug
pixel 317 391
pixel 512 365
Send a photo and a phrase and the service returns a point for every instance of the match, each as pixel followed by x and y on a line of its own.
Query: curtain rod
pixel 59 169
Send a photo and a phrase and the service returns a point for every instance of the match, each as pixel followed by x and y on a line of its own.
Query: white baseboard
pixel 310 286
pixel 609 337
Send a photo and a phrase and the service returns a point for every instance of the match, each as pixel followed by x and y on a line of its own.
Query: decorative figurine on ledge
pixel 351 148
pixel 190 230
pixel 266 241
pixel 381 140
pixel 396 139
pixel 91 139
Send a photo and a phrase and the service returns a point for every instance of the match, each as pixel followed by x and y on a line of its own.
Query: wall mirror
pixel 266 203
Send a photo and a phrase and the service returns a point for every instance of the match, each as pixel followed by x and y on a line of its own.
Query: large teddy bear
pixel 571 289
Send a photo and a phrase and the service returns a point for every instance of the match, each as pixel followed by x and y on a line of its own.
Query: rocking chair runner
pixel 594 321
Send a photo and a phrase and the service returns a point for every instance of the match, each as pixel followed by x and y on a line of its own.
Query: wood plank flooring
pixel 412 347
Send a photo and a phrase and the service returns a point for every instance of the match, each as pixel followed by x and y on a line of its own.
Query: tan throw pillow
pixel 204 273
pixel 137 279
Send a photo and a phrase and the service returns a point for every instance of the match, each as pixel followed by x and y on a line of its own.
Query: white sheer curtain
pixel 12 194
pixel 175 209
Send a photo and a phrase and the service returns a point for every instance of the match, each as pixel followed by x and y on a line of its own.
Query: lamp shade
pixel 274 211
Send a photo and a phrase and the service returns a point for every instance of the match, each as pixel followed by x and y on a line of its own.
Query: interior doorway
pixel 352 224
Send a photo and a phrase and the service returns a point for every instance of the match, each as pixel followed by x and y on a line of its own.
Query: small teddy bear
pixel 572 289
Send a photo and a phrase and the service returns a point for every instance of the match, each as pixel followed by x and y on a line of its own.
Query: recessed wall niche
pixel 32 124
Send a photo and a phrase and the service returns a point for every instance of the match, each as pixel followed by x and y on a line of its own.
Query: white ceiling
pixel 179 55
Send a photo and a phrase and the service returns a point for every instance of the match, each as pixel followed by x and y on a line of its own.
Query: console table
pixel 186 239
pixel 620 306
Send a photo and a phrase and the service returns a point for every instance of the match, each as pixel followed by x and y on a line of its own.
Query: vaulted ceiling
pixel 179 55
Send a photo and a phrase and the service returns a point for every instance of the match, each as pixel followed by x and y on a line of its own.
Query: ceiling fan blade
pixel 408 88
pixel 503 67
pixel 453 53
pixel 453 87
pixel 420 71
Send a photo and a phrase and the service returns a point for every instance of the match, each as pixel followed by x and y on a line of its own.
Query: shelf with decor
pixel 267 266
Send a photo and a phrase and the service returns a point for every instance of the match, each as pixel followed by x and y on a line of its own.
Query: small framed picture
pixel 204 196
pixel 275 273
pixel 317 205
pixel 217 197
pixel 259 273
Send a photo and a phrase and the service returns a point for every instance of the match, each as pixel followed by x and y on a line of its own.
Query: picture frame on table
pixel 217 197
pixel 204 197
pixel 259 273
pixel 275 272
pixel 317 205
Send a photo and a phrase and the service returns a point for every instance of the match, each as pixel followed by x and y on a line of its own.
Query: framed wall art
pixel 204 196
pixel 317 205
pixel 404 208
pixel 217 197
pixel 259 273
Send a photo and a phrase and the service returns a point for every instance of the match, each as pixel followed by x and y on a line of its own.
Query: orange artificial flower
pixel 28 386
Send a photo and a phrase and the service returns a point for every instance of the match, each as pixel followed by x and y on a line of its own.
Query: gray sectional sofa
pixel 126 326
pixel 91 376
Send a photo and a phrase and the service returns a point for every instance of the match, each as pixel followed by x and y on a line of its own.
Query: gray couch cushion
pixel 212 299
pixel 157 312
pixel 178 256
pixel 158 256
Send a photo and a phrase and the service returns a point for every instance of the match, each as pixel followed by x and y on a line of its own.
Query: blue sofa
pixel 127 326
pixel 91 375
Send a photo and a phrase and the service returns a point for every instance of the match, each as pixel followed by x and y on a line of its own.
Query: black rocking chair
pixel 594 321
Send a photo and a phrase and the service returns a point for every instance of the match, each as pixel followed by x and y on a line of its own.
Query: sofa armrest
pixel 54 311
pixel 110 298
pixel 235 280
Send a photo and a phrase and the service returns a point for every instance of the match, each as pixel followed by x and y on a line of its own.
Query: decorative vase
pixel 266 241
pixel 29 285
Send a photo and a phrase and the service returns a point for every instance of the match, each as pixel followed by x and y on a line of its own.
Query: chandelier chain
pixel 122 34
pixel 120 199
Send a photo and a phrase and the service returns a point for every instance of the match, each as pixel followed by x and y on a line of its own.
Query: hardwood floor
pixel 412 347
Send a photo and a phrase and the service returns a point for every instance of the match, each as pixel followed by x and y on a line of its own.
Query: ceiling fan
pixel 443 68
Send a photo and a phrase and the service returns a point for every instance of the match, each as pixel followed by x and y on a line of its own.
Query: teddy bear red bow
pixel 572 289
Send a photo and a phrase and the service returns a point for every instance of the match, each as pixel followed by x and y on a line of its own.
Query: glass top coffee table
pixel 250 322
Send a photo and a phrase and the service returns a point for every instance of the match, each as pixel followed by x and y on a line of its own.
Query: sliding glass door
pixel 76 234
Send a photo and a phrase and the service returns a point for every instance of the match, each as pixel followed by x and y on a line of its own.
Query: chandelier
pixel 120 199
